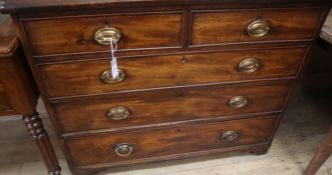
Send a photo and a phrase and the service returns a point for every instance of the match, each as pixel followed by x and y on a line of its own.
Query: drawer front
pixel 104 148
pixel 170 105
pixel 5 105
pixel 219 27
pixel 81 78
pixel 77 34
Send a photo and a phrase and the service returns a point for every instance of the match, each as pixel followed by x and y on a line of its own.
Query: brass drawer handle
pixel 107 77
pixel 123 149
pixel 249 65
pixel 104 35
pixel 238 102
pixel 229 136
pixel 118 113
pixel 258 28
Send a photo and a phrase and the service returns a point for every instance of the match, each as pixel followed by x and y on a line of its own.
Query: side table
pixel 19 95
pixel 325 149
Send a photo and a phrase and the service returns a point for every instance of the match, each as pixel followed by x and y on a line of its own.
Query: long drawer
pixel 82 78
pixel 77 34
pixel 171 105
pixel 231 26
pixel 135 145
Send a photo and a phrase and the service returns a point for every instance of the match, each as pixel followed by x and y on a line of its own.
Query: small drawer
pixel 222 27
pixel 77 34
pixel 171 105
pixel 82 78
pixel 134 145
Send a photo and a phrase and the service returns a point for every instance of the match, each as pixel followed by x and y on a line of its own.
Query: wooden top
pixel 11 6
pixel 327 29
pixel 8 38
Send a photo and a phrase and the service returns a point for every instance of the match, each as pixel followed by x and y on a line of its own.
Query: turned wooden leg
pixel 36 129
pixel 322 154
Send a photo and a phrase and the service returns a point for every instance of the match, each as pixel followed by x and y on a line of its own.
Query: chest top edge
pixel 23 6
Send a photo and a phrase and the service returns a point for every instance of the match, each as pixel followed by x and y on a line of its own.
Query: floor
pixel 302 129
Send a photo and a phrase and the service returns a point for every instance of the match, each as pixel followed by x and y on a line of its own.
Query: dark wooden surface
pixel 18 84
pixel 15 79
pixel 318 73
pixel 39 135
pixel 67 67
pixel 165 71
pixel 5 106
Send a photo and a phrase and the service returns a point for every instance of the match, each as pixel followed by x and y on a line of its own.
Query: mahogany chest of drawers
pixel 195 77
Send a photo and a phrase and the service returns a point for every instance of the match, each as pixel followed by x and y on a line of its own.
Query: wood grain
pixel 5 106
pixel 76 34
pixel 72 74
pixel 171 105
pixel 221 27
pixel 16 80
pixel 40 136
pixel 81 78
pixel 100 148
pixel 18 84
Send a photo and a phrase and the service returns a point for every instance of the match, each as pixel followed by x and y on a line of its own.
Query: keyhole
pixel 107 23
pixel 184 60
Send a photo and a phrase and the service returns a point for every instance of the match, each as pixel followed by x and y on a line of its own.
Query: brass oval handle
pixel 249 65
pixel 238 102
pixel 123 149
pixel 118 113
pixel 107 77
pixel 104 35
pixel 229 136
pixel 258 28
